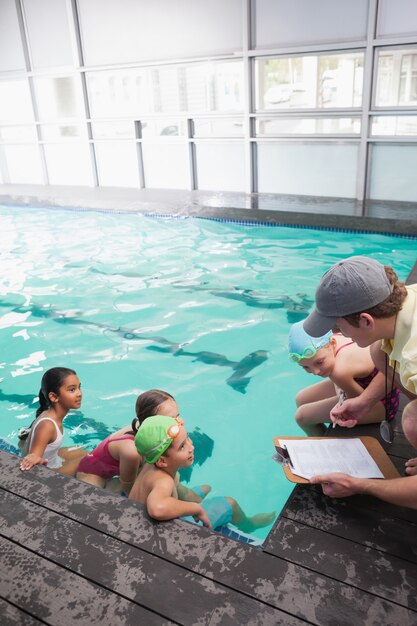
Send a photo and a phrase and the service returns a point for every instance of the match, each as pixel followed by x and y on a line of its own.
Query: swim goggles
pixel 174 430
pixel 308 353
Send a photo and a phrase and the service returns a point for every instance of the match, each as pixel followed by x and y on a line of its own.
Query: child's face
pixel 70 394
pixel 169 408
pixel 181 451
pixel 321 364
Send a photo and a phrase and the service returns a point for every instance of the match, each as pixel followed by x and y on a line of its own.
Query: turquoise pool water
pixel 198 308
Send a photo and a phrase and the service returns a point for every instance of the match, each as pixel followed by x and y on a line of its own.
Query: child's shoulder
pixel 344 344
pixel 44 422
pixel 159 478
pixel 351 362
pixel 347 350
pixel 151 473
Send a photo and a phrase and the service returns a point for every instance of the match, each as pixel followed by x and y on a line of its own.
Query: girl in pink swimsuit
pixel 117 456
pixel 348 370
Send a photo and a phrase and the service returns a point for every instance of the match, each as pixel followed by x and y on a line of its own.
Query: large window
pixel 397 17
pixel 311 169
pixel 195 87
pixel 136 31
pixel 119 93
pixel 117 164
pixel 284 23
pixel 287 126
pixel 311 81
pixel 68 164
pixel 166 165
pixel 21 164
pixel 294 97
pixel 48 30
pixel 59 97
pixel 12 57
pixel 397 77
pixel 221 166
pixel 393 175
pixel 394 125
pixel 15 101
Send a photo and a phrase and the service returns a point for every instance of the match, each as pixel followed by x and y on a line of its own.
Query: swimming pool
pixel 198 308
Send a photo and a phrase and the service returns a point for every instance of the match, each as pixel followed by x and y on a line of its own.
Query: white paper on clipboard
pixel 310 457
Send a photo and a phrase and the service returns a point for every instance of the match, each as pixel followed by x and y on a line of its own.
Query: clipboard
pixel 373 446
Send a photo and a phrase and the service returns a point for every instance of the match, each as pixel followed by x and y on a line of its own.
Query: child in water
pixel 41 442
pixel 117 454
pixel 166 447
pixel 348 369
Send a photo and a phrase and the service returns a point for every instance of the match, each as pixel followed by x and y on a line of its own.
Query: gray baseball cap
pixel 351 286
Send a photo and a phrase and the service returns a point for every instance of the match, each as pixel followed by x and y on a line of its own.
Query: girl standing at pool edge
pixel 60 391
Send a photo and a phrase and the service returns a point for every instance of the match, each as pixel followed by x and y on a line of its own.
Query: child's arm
pixel 161 505
pixel 347 384
pixel 44 434
pixel 129 463
pixel 357 405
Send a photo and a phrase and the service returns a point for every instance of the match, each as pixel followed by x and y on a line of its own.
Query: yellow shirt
pixel 403 348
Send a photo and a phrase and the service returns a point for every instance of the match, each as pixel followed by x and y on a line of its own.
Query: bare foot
pixel 205 489
pixel 257 521
pixel 411 467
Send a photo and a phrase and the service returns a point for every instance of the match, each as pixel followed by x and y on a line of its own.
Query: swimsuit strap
pixel 121 438
pixel 45 419
pixel 349 343
pixel 108 441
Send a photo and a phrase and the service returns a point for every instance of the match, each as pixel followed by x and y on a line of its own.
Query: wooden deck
pixel 73 554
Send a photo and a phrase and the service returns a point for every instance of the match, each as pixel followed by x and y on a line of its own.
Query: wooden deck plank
pixel 399 463
pixel 400 447
pixel 57 596
pixel 126 570
pixel 349 562
pixel 275 581
pixel 11 616
pixel 376 529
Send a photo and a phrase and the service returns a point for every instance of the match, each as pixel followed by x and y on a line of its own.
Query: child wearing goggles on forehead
pixel 166 447
pixel 115 462
pixel 348 369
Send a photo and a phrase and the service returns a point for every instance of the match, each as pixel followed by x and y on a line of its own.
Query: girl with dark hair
pixel 150 403
pixel 117 454
pixel 60 391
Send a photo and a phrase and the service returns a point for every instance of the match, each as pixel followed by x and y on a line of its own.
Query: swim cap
pixel 304 346
pixel 155 435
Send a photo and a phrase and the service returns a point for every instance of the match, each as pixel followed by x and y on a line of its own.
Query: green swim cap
pixel 155 435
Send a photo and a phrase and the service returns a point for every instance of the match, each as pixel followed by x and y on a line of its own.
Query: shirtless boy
pixel 166 447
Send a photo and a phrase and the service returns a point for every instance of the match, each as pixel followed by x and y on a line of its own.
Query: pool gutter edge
pixel 386 225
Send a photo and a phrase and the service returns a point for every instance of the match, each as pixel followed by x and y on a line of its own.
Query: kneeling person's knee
pixel 409 422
